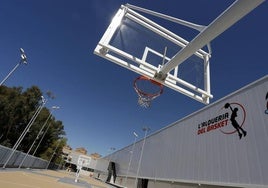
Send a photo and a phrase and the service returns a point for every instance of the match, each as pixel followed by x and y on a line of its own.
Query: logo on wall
pixel 266 98
pixel 230 120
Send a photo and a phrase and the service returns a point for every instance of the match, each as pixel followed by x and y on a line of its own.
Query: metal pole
pixel 131 155
pixel 32 120
pixel 53 107
pixel 27 128
pixel 146 129
pixel 53 153
pixel 230 16
pixel 41 139
pixel 23 60
pixel 37 137
pixel 60 164
pixel 169 18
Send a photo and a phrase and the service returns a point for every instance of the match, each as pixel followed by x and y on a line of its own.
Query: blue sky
pixel 98 103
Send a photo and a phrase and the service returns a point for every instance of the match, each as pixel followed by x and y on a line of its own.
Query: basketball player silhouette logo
pixel 235 124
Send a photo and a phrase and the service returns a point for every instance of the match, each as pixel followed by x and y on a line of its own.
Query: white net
pixel 147 90
pixel 144 102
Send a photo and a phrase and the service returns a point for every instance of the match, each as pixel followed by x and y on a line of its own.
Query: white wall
pixel 101 165
pixel 179 153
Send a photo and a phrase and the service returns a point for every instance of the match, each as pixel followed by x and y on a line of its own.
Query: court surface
pixel 11 178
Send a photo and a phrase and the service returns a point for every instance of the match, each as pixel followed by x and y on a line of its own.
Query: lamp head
pixel 23 56
pixel 135 134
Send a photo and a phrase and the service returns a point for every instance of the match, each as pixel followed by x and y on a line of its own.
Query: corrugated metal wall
pixel 218 155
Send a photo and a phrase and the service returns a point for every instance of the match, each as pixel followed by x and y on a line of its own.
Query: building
pixel 89 162
pixel 81 150
pixel 225 144
pixel 95 155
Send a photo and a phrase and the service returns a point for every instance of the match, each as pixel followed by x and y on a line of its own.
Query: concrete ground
pixel 11 178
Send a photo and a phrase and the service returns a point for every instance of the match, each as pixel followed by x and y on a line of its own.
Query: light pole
pixel 23 60
pixel 38 135
pixel 145 129
pixel 27 128
pixel 60 164
pixel 40 141
pixel 131 155
pixel 54 152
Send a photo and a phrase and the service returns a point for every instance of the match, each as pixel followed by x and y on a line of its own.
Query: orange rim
pixel 150 95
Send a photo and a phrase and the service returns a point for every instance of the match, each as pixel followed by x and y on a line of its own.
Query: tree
pixel 55 150
pixel 17 107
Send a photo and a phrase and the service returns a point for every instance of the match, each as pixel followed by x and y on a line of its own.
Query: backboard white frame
pixel 162 73
pixel 83 161
pixel 140 66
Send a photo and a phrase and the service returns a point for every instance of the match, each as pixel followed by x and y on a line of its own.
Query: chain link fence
pixel 17 158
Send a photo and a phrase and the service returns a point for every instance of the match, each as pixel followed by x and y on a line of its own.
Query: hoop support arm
pixel 166 17
pixel 230 16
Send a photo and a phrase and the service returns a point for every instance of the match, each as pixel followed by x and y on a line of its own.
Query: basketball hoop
pixel 147 90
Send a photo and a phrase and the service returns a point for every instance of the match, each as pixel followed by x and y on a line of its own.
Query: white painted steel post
pixel 27 128
pixel 40 141
pixel 146 129
pixel 230 16
pixel 37 137
pixel 54 152
pixel 23 60
pixel 169 18
pixel 131 155
pixel 53 108
pixel 110 31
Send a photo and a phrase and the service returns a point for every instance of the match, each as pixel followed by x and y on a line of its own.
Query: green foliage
pixel 17 107
pixel 54 151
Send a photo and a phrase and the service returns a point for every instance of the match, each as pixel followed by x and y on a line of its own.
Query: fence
pixel 18 156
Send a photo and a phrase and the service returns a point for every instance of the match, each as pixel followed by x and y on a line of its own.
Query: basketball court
pixel 10 178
